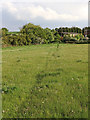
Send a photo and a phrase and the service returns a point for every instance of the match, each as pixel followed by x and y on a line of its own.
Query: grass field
pixel 43 81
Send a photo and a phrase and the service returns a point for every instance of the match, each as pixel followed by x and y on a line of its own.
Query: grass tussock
pixel 45 81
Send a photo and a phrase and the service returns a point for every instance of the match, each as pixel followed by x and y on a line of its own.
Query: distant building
pixel 70 33
pixel 86 32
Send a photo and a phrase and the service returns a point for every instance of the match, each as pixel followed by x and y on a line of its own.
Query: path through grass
pixel 45 82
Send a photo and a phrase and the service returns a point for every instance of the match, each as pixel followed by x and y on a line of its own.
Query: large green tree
pixel 4 31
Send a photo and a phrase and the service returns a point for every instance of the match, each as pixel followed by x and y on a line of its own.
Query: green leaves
pixel 8 89
pixel 34 34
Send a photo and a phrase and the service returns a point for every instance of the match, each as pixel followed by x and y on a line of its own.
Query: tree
pixel 4 31
pixel 57 38
pixel 49 35
pixel 0 33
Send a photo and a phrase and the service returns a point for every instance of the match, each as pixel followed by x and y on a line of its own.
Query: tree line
pixel 34 34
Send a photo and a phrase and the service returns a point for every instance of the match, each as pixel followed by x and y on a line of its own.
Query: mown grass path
pixel 45 82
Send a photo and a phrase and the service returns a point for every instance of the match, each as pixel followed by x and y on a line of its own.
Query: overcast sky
pixel 46 13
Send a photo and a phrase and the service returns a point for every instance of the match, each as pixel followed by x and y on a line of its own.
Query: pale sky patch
pixel 61 12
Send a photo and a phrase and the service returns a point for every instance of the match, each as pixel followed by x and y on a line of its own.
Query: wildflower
pixel 72 97
pixel 3 111
pixel 72 111
pixel 2 92
pixel 72 79
pixel 39 90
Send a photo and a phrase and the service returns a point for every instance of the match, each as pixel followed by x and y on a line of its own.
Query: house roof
pixel 69 33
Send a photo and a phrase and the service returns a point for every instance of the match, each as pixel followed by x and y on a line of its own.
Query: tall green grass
pixel 45 81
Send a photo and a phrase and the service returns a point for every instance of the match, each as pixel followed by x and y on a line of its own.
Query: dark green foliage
pixel 49 35
pixel 66 29
pixel 38 34
pixel 8 89
pixel 66 38
pixel 4 31
pixel 34 34
pixel 87 29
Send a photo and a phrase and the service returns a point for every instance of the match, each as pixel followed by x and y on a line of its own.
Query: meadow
pixel 45 81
